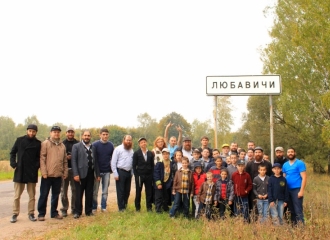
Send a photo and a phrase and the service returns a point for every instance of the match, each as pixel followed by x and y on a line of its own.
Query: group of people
pixel 174 174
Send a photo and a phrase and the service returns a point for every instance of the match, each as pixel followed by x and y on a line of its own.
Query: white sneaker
pixel 103 210
pixel 94 211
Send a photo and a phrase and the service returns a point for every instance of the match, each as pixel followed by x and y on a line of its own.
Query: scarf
pixel 185 181
pixel 208 199
pixel 167 170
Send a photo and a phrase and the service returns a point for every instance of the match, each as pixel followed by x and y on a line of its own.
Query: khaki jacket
pixel 53 162
pixel 177 183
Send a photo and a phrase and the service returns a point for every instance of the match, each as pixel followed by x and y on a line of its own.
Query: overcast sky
pixel 97 63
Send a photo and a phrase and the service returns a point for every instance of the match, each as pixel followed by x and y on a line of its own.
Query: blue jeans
pixel 277 212
pixel 46 183
pixel 105 179
pixel 178 199
pixel 241 207
pixel 263 206
pixel 296 206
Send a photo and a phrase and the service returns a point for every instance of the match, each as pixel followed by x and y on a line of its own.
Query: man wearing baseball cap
pixel 279 152
pixel 25 159
pixel 53 168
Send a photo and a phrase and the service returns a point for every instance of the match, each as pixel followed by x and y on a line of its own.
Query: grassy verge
pixel 144 225
pixel 6 172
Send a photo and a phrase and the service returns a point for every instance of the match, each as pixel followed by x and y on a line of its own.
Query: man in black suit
pixel 143 167
pixel 85 171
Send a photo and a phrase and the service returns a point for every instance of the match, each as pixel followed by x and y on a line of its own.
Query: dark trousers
pixel 242 207
pixel 222 207
pixel 205 209
pixel 180 200
pixel 46 184
pixel 296 206
pixel 123 188
pixel 147 181
pixel 85 186
pixel 161 199
pixel 253 209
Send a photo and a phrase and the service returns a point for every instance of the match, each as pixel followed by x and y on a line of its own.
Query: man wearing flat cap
pixel 53 168
pixel 143 168
pixel 25 159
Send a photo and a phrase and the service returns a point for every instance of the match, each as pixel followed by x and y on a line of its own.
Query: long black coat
pixel 25 157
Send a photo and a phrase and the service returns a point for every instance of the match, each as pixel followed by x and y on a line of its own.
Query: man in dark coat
pixel 25 159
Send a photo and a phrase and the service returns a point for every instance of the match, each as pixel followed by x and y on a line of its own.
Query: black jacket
pixel 25 157
pixel 140 165
pixel 68 146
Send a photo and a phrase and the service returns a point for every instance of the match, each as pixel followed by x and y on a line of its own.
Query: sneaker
pixel 94 211
pixel 13 218
pixel 75 216
pixel 103 210
pixel 59 217
pixel 32 218
pixel 64 214
pixel 41 218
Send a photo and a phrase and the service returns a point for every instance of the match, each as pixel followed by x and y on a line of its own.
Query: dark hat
pixel 70 128
pixel 55 128
pixel 32 126
pixel 277 165
pixel 197 164
pixel 240 162
pixel 186 139
pixel 142 138
pixel 259 148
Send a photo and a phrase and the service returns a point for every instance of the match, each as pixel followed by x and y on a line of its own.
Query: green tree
pixel 147 127
pixel 7 139
pixel 224 119
pixel 200 129
pixel 299 52
pixel 177 119
pixel 116 134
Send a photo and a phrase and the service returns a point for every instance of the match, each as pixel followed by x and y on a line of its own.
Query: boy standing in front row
pixel 278 195
pixel 260 190
pixel 224 192
pixel 242 186
pixel 183 188
pixel 205 196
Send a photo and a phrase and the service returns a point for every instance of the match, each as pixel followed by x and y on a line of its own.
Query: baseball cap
pixel 196 150
pixel 279 149
pixel 258 148
pixel 277 165
pixel 240 162
pixel 142 138
pixel 225 145
pixel 165 150
pixel 197 164
pixel 55 128
pixel 186 139
pixel 70 128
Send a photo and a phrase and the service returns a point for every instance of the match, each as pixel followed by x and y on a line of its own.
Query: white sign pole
pixel 271 125
pixel 215 122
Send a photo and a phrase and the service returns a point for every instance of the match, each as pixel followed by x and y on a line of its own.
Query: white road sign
pixel 243 85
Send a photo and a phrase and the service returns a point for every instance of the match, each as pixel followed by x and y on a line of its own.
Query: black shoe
pixel 90 214
pixel 32 218
pixel 13 218
pixel 75 216
pixel 64 213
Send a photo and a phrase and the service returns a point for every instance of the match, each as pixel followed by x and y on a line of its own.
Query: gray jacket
pixel 79 161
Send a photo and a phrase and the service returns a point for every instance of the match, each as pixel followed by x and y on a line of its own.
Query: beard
pixel 291 156
pixel 86 141
pixel 127 145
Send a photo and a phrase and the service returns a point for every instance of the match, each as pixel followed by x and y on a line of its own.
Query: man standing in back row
pixel 68 143
pixel 25 159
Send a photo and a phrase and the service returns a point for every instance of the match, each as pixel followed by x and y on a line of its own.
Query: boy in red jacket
pixel 199 178
pixel 242 186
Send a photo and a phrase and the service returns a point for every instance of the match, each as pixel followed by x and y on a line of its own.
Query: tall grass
pixel 6 171
pixel 145 225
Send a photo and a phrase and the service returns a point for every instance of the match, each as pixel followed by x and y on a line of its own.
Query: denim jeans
pixel 263 206
pixel 296 206
pixel 105 180
pixel 178 198
pixel 277 212
pixel 241 207
pixel 64 192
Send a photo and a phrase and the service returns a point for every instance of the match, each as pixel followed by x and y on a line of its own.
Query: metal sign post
pixel 245 85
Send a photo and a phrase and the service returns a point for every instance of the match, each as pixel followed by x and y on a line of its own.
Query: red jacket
pixel 242 183
pixel 198 181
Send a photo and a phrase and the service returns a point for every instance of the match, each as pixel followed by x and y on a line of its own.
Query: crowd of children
pixel 216 185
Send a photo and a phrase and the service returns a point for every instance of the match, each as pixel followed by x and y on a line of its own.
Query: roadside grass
pixel 6 171
pixel 145 225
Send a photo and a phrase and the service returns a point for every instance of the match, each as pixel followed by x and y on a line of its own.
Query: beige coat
pixel 53 162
